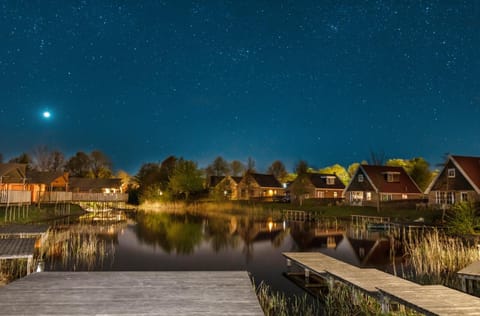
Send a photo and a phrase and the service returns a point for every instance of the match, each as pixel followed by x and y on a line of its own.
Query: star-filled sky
pixel 323 81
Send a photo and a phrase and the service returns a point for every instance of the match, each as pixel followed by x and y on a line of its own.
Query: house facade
pixel 225 187
pixel 48 186
pixel 458 181
pixel 374 184
pixel 259 186
pixel 317 186
pixel 13 187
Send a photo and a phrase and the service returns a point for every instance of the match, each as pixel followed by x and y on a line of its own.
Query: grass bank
pixel 36 214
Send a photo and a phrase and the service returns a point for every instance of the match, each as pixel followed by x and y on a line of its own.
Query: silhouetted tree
pixel 186 178
pixel 219 167
pixel 79 165
pixel 23 158
pixel 277 169
pixel 100 165
pixel 237 168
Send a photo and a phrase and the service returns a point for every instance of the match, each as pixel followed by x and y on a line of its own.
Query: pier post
pixel 385 301
pixel 289 265
pixel 307 276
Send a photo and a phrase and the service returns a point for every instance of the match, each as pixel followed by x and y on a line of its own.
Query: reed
pixel 12 269
pixel 435 258
pixel 275 303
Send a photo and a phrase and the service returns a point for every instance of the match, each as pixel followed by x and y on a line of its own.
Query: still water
pixel 207 241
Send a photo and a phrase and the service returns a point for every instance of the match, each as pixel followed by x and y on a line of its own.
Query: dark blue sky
pixel 323 81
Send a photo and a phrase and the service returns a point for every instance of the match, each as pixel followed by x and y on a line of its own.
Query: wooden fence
pixel 8 197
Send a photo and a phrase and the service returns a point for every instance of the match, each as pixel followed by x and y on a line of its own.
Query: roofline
pixel 451 157
pixel 366 175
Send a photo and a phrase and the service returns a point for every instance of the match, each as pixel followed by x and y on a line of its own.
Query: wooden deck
pixel 18 248
pixel 429 300
pixel 131 293
pixel 470 277
pixel 23 231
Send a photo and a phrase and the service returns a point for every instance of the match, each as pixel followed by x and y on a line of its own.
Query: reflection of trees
pixel 221 232
pixel 172 232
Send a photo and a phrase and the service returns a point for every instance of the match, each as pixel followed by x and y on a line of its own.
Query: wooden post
pixel 385 301
pixel 29 264
pixel 289 265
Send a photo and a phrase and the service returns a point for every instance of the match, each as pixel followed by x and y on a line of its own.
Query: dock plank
pixel 131 293
pixel 427 299
pixel 11 248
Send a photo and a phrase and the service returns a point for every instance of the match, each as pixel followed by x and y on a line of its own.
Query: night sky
pixel 323 81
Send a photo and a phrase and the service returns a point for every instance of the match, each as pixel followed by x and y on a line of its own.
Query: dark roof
pixel 319 180
pixel 44 177
pixel 18 170
pixel 377 178
pixel 470 166
pixel 92 184
pixel 237 179
pixel 266 180
pixel 214 180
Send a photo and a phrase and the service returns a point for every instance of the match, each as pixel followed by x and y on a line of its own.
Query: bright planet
pixel 46 114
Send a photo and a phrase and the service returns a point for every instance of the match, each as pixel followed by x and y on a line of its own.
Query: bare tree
pixel 277 169
pixel 237 168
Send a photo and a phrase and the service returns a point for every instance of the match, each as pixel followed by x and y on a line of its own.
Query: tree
pixel 250 165
pixel 236 168
pixel 167 167
pixel 301 167
pixel 1 158
pixel 79 165
pixel 100 165
pixel 24 158
pixel 148 183
pixel 46 160
pixel 340 171
pixel 277 169
pixel 352 169
pixel 219 167
pixel 186 178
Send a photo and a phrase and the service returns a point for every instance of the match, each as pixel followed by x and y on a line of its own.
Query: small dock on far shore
pixel 131 293
pixel 386 288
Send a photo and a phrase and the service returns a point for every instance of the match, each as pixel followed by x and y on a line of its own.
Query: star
pixel 47 114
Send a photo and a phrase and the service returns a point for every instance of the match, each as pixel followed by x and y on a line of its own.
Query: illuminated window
pixel 330 180
pixel 360 178
pixel 404 196
pixel 320 194
pixel 451 173
pixel 368 196
pixel 335 194
pixel 386 197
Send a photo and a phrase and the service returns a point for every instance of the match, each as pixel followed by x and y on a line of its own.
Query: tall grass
pixel 277 304
pixel 435 258
pixel 12 269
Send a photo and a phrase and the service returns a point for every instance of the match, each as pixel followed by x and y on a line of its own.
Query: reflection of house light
pixel 270 225
pixel 225 192
pixel 284 225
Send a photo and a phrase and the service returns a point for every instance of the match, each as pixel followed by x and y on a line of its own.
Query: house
pixel 317 186
pixel 97 185
pixel 49 186
pixel 458 181
pixel 13 189
pixel 259 186
pixel 224 186
pixel 374 184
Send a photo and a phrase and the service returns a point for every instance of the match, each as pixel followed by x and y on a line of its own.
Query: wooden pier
pixel 470 277
pixel 23 231
pixel 426 299
pixel 131 293
pixel 18 248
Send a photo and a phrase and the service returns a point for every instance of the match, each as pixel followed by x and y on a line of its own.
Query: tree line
pixel 178 178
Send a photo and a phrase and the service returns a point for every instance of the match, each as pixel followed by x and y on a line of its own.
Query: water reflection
pixel 201 241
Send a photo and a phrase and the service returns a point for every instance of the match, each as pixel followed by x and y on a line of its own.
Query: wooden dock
pixel 131 293
pixel 23 231
pixel 470 277
pixel 429 300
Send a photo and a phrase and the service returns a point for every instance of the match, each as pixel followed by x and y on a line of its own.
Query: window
pixel 360 178
pixel 387 197
pixel 392 176
pixel 320 194
pixel 464 196
pixel 335 194
pixel 451 173
pixel 404 196
pixel 442 197
pixel 330 180
pixel 368 196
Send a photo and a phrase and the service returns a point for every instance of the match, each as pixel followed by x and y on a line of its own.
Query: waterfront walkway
pixel 131 293
pixel 427 299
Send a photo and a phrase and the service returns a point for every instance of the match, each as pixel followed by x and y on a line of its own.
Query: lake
pixel 141 241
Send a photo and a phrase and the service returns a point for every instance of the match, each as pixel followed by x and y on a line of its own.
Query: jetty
pixel 131 293
pixel 386 288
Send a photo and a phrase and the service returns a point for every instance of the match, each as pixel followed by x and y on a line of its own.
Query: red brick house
pixel 373 184
pixel 458 181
